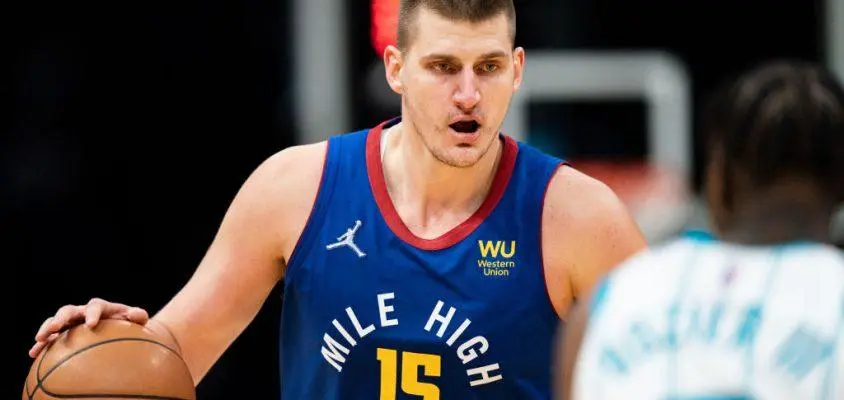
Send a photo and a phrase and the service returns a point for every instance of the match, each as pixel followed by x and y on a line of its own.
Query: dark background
pixel 132 125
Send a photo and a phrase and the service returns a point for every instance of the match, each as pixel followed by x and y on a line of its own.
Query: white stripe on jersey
pixel 697 319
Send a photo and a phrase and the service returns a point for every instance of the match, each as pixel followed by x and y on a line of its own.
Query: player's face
pixel 456 80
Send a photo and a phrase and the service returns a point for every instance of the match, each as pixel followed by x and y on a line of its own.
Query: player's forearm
pixel 172 340
pixel 202 334
pixel 160 329
pixel 195 346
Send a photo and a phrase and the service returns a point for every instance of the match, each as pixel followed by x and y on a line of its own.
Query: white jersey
pixel 701 319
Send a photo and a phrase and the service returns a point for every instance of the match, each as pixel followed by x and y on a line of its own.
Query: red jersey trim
pixel 455 235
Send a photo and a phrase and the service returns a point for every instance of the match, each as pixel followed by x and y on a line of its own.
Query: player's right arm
pixel 244 262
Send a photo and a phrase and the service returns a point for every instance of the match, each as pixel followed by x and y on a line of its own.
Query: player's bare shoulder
pixel 582 202
pixel 292 178
pixel 280 193
pixel 586 230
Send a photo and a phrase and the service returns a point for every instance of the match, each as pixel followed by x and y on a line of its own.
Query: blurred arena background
pixel 130 126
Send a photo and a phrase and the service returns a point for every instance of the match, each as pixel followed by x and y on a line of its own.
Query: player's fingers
pixel 93 311
pixel 98 309
pixel 43 329
pixel 49 326
pixel 112 310
pixel 137 315
pixel 66 315
pixel 38 346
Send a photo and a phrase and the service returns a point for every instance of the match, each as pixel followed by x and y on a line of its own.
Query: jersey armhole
pixel 324 192
pixel 560 165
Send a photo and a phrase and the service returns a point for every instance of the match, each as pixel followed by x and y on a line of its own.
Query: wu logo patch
pixel 496 257
pixel 492 249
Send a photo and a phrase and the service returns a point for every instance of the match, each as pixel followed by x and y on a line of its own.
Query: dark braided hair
pixel 782 119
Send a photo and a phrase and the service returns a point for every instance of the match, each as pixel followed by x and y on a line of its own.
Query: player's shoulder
pixel 570 183
pixel 822 252
pixel 284 188
pixel 587 230
pixel 585 203
pixel 294 163
pixel 567 182
pixel 570 193
pixel 306 156
pixel 304 164
pixel 290 175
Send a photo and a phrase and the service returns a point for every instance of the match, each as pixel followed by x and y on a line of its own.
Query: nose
pixel 467 95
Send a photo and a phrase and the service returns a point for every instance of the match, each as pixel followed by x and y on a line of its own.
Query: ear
pixel 392 65
pixel 518 67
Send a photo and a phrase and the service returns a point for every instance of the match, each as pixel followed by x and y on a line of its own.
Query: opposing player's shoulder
pixel 657 260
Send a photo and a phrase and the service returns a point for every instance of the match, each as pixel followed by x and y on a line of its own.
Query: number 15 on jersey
pixel 410 363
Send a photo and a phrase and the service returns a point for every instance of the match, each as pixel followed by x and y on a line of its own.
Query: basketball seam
pixel 26 387
pixel 40 380
pixel 109 396
pixel 38 372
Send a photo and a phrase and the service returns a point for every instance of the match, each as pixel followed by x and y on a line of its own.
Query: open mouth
pixel 465 126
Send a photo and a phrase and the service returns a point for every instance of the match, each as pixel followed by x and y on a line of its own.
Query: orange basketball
pixel 116 359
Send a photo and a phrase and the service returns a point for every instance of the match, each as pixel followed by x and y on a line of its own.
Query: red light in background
pixel 385 20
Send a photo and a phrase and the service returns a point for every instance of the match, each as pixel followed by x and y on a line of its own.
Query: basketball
pixel 115 359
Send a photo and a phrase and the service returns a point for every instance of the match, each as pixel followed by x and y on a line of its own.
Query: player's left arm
pixel 586 231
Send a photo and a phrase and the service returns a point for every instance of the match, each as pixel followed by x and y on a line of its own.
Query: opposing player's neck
pixel 782 214
pixel 429 196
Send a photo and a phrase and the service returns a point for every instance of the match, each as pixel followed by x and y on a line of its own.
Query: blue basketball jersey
pixel 371 311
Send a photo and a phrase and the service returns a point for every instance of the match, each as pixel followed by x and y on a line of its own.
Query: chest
pixel 359 272
pixel 357 262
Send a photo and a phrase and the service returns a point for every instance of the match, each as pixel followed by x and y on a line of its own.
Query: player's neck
pixel 427 193
pixel 777 216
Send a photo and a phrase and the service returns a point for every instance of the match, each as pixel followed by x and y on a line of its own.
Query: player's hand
pixel 72 315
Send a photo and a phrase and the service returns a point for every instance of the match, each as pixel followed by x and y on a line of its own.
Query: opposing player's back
pixel 759 311
pixel 702 317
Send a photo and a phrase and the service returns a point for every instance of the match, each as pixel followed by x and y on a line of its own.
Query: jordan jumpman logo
pixel 348 239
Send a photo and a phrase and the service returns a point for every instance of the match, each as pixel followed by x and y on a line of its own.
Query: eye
pixel 442 67
pixel 489 68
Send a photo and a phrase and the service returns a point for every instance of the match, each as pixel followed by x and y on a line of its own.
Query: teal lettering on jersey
pixel 801 352
pixel 695 324
pixel 612 361
pixel 749 326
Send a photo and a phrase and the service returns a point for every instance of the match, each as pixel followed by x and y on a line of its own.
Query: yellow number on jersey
pixel 410 364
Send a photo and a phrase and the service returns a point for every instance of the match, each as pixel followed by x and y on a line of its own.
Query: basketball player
pixel 757 313
pixel 428 256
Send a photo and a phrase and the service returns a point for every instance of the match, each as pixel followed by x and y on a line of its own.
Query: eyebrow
pixel 493 54
pixel 448 57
